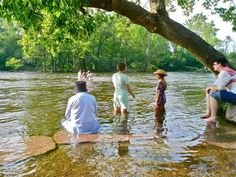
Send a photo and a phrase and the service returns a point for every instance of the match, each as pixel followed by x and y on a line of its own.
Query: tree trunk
pixel 52 65
pixel 161 24
pixel 148 37
pixel 99 47
pixel 44 67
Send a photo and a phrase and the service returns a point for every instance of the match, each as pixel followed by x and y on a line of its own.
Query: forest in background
pixel 112 39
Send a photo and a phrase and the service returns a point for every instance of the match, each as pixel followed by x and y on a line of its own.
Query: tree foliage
pixel 9 35
pixel 14 64
pixel 207 30
pixel 58 25
pixel 224 8
pixel 114 39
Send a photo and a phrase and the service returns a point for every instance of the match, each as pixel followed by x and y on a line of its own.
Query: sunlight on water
pixel 32 104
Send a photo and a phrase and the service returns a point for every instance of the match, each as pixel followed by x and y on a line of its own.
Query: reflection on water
pixel 160 122
pixel 120 124
pixel 32 104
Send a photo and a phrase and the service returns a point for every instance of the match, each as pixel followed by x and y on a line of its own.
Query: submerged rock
pixel 231 113
pixel 64 137
pixel 37 145
pixel 25 148
pixel 225 145
pixel 224 137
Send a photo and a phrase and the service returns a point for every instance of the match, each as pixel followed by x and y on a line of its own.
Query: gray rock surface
pixel 231 113
pixel 223 137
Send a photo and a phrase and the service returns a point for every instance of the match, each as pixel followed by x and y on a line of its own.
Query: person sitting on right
pixel 223 89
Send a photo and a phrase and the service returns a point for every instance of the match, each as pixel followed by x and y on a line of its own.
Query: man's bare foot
pixel 204 116
pixel 210 119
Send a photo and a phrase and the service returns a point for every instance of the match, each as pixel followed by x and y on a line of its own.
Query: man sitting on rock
pixel 223 89
pixel 81 112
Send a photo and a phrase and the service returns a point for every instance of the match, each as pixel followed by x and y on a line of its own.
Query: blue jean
pixel 224 95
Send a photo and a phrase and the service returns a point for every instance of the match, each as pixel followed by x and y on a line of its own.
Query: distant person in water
pixel 80 75
pixel 81 112
pixel 223 89
pixel 85 75
pixel 89 75
pixel 121 84
pixel 160 98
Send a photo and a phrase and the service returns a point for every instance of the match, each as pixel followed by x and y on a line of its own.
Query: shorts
pixel 121 101
pixel 224 95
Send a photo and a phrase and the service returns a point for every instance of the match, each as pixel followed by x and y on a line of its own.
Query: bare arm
pixel 211 88
pixel 129 90
pixel 68 110
pixel 158 95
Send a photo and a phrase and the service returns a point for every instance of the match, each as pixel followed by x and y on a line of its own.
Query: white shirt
pixel 119 81
pixel 223 79
pixel 81 114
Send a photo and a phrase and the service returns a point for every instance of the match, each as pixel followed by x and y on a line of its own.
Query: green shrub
pixel 14 64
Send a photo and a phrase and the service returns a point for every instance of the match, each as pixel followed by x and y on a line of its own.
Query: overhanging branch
pixel 161 24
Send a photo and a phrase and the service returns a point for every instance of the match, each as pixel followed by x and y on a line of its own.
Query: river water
pixel 32 104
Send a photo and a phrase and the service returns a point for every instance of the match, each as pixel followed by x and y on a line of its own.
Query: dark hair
pixel 80 86
pixel 222 60
pixel 121 66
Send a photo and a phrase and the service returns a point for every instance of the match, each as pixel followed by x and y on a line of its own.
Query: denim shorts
pixel 224 95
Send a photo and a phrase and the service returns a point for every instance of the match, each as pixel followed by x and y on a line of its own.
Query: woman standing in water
pixel 121 84
pixel 160 98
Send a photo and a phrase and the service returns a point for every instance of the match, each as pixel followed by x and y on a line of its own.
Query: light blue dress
pixel 81 114
pixel 120 98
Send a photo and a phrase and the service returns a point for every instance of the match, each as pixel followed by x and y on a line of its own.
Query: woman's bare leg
pixel 124 111
pixel 159 112
pixel 117 110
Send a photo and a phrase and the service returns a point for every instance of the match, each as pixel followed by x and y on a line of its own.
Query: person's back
pixel 119 80
pixel 79 75
pixel 227 78
pixel 121 85
pixel 81 114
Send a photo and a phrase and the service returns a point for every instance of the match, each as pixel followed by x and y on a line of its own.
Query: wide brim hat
pixel 161 72
pixel 81 86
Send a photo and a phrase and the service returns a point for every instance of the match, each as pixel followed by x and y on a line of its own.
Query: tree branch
pixel 158 6
pixel 161 24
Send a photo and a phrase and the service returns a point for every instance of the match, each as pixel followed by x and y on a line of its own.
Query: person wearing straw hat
pixel 81 112
pixel 160 98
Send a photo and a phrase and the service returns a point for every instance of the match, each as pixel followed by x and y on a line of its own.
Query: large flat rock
pixel 25 148
pixel 64 137
pixel 225 145
pixel 223 137
pixel 226 136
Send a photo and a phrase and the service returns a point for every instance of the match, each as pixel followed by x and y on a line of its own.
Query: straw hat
pixel 161 72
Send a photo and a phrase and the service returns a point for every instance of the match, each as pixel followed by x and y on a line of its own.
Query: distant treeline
pixel 112 39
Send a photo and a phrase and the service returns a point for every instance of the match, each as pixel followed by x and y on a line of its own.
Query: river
pixel 32 104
